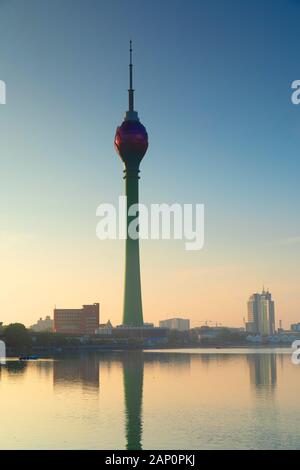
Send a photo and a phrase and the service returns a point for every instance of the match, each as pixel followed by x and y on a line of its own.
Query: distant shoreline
pixel 48 352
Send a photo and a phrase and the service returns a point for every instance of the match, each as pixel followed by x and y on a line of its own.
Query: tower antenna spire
pixel 130 91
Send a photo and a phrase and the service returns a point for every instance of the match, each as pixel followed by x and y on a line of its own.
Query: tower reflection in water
pixel 133 376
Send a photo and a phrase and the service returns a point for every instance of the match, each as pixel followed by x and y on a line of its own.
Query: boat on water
pixel 28 358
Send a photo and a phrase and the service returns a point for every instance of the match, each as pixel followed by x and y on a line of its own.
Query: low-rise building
pixel 295 327
pixel 284 337
pixel 43 325
pixel 212 332
pixel 139 332
pixel 104 329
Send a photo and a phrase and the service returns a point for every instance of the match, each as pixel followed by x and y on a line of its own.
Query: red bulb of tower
pixel 131 142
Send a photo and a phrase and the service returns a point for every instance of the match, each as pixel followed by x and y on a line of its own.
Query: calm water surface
pixel 193 399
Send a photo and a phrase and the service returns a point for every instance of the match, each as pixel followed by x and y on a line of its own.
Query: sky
pixel 213 88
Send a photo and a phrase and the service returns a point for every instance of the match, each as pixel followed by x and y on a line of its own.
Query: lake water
pixel 192 399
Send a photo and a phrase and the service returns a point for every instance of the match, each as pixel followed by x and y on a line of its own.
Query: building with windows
pixel 83 321
pixel 261 314
pixel 179 324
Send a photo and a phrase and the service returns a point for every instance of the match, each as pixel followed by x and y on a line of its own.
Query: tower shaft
pixel 132 310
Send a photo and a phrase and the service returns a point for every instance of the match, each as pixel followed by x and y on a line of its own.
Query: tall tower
pixel 131 143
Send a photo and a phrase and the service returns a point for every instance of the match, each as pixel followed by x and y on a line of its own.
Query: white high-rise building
pixel 261 314
pixel 180 324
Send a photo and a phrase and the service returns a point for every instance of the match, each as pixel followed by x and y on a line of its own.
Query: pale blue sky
pixel 212 83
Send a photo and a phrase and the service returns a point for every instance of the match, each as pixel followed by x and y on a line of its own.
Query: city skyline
pixel 228 137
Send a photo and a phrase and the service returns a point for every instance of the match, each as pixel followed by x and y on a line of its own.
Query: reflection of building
pixel 263 370
pixel 83 370
pixel 261 314
pixel 175 324
pixel 295 327
pixel 265 414
pixel 84 320
pixel 43 325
